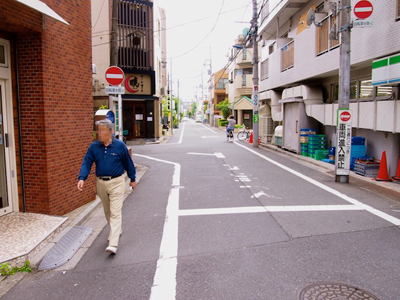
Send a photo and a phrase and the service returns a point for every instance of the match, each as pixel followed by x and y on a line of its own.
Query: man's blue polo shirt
pixel 112 160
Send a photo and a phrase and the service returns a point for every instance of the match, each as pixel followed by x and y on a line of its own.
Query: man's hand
pixel 80 185
pixel 133 185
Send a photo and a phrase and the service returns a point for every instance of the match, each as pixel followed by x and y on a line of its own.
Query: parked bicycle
pixel 244 134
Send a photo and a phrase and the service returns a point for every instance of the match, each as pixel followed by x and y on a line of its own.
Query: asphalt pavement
pixel 212 219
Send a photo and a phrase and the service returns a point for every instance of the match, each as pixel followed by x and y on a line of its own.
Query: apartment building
pixel 46 115
pixel 142 57
pixel 217 93
pixel 240 83
pixel 299 73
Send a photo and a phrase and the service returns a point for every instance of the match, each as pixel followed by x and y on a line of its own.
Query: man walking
pixel 112 159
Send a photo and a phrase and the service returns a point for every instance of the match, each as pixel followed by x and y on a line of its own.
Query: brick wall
pixel 56 101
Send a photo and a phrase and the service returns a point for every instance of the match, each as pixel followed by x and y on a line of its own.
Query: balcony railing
pixel 324 44
pixel 287 56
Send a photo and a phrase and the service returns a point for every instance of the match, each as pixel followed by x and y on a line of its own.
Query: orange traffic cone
pixel 383 172
pixel 397 177
pixel 251 138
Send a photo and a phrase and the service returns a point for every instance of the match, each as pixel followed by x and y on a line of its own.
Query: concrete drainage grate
pixel 326 291
pixel 63 251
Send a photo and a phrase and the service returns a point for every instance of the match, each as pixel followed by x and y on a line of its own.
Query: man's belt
pixel 105 178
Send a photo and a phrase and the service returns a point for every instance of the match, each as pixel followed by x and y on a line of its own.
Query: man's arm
pixel 128 165
pixel 85 168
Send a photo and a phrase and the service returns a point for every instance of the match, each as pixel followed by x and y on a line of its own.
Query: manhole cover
pixel 334 291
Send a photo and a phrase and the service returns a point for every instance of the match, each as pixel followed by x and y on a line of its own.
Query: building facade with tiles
pixel 299 74
pixel 46 106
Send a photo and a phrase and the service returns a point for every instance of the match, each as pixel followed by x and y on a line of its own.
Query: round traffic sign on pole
pixel 345 116
pixel 363 9
pixel 114 76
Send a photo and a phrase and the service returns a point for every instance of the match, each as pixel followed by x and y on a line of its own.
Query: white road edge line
pixel 368 208
pixel 181 137
pixel 208 128
pixel 164 282
pixel 260 209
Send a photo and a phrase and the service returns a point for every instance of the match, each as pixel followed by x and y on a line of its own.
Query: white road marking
pixel 219 155
pixel 353 201
pixel 208 128
pixel 181 137
pixel 263 209
pixel 196 153
pixel 216 154
pixel 209 137
pixel 259 194
pixel 164 282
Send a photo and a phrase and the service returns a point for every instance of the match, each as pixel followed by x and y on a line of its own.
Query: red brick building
pixel 46 106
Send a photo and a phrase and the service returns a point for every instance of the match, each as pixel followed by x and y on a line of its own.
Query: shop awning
pixel 42 8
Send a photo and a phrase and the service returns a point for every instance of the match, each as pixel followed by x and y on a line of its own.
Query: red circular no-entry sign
pixel 114 76
pixel 345 116
pixel 363 9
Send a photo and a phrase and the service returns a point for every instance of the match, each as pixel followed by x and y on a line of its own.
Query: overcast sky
pixel 192 28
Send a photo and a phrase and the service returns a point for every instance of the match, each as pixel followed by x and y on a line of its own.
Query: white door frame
pixel 7 108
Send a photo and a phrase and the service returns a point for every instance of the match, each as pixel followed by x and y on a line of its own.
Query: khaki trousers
pixel 111 193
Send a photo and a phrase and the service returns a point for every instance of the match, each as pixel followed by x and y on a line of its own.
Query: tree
pixel 223 106
pixel 194 108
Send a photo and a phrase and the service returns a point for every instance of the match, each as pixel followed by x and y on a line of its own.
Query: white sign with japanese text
pixel 343 149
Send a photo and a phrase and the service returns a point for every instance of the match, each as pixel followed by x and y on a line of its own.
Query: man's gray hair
pixel 105 122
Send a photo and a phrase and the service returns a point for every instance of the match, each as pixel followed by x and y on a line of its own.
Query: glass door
pixel 5 206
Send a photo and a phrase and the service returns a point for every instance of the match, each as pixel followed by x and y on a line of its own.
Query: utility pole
pixel 178 108
pixel 344 69
pixel 256 117
pixel 114 34
pixel 171 125
pixel 114 62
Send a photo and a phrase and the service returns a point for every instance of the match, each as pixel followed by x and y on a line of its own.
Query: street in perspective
pixel 198 150
pixel 228 221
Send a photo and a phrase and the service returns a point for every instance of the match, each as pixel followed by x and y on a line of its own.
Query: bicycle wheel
pixel 241 136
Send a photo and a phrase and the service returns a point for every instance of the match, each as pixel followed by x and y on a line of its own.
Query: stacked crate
pixel 358 149
pixel 320 154
pixel 316 142
pixel 367 166
pixel 304 134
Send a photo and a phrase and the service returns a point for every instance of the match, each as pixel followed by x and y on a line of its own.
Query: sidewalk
pixel 28 236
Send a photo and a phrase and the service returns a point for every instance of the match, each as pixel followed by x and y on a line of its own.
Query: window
pixel 366 89
pixel 243 80
pixel 335 91
pixel 363 89
pixel 264 70
pixel 287 56
pixel 2 55
pixel 398 10
pixel 384 91
pixel 272 47
pixel 320 8
pixel 221 84
pixel 220 98
pixel 324 43
pixel 244 54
